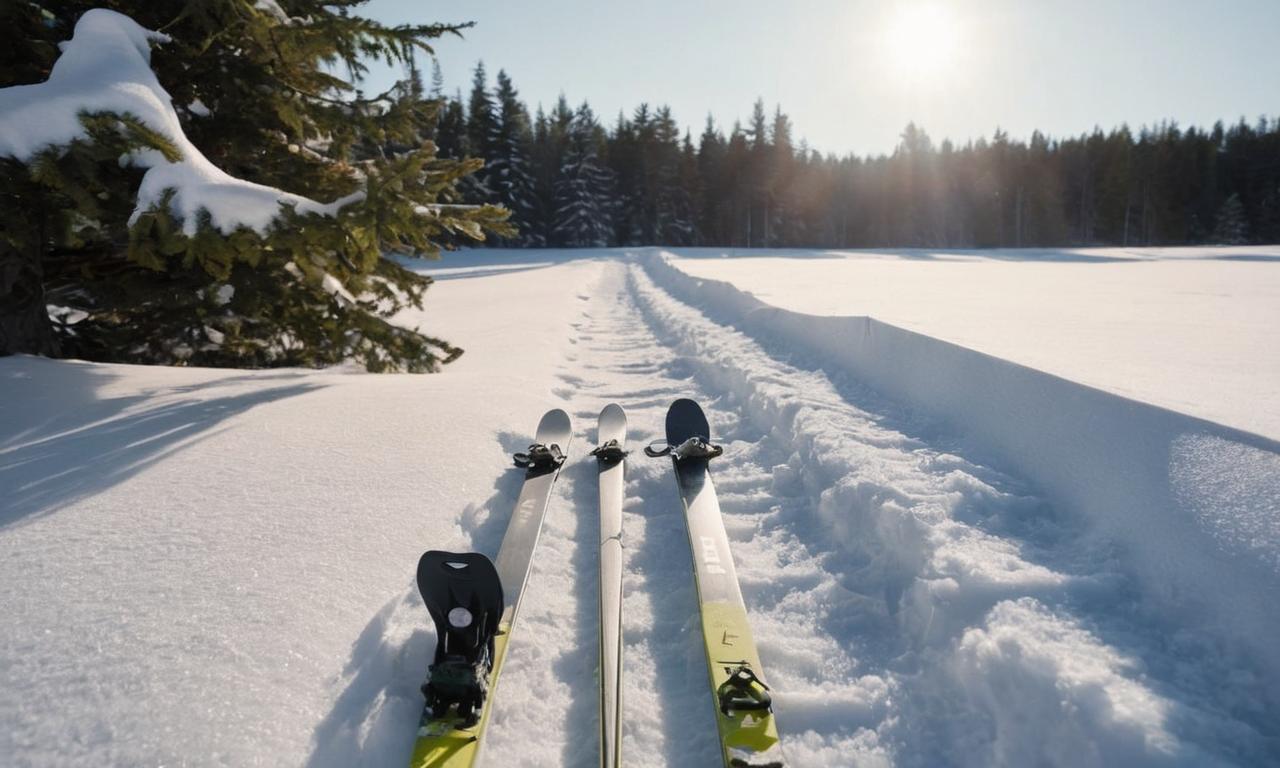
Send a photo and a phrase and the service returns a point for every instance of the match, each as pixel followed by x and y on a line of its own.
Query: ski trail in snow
pixel 912 607
pixel 915 608
pixel 615 358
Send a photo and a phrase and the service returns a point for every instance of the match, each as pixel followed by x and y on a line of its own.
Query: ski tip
pixel 612 421
pixel 554 427
pixel 685 419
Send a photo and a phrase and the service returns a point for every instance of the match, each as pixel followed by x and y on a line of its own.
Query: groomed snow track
pixel 912 607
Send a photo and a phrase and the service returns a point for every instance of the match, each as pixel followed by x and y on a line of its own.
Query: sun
pixel 921 39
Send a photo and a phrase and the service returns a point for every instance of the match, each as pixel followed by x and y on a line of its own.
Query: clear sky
pixel 852 73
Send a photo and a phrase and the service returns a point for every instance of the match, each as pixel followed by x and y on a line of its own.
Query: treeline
pixel 570 180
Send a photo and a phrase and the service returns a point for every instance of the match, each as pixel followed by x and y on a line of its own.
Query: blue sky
pixel 851 74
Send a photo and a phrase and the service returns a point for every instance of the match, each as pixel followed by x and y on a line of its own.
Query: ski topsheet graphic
pixel 610 453
pixel 744 709
pixel 473 603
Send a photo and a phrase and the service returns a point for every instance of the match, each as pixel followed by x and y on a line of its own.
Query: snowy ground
pixel 215 567
pixel 1192 329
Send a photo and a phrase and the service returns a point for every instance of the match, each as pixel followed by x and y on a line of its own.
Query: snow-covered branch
pixel 106 68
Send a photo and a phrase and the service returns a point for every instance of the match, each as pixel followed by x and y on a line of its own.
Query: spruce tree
pixel 544 167
pixel 714 225
pixel 629 164
pixel 1268 230
pixel 1231 227
pixel 783 223
pixel 584 189
pixel 507 165
pixel 253 86
pixel 689 191
pixel 451 129
pixel 482 127
pixel 673 207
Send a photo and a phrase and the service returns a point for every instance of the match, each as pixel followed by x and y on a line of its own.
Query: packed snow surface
pixel 1192 329
pixel 211 567
pixel 106 67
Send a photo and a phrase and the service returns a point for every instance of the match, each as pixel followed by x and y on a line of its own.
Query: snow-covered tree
pixel 507 165
pixel 584 189
pixel 164 192
pixel 144 179
pixel 550 139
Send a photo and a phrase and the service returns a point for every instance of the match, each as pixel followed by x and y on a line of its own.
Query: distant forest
pixel 570 180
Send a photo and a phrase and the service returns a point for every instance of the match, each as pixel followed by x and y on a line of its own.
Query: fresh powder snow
pixel 948 557
pixel 1192 329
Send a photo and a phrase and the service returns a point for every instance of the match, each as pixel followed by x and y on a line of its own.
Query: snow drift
pixel 1196 505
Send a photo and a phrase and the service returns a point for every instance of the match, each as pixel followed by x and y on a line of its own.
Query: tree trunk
pixel 24 319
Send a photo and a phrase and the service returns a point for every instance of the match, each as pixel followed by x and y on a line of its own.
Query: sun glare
pixel 921 39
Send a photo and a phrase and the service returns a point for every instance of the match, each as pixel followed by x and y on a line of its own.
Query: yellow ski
pixel 744 708
pixel 474 602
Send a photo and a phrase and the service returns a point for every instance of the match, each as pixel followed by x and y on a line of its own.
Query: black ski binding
pixel 540 458
pixel 464 596
pixel 743 691
pixel 693 448
pixel 610 453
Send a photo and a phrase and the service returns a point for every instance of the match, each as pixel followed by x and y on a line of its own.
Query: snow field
pixel 216 567
pixel 1190 329
pixel 211 567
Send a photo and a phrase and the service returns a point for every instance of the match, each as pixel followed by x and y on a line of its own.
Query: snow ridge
pixel 1128 468
pixel 984 624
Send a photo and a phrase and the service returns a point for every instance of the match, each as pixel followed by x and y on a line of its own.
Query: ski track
pixel 911 607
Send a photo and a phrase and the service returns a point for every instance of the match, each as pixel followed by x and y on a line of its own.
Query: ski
pixel 610 453
pixel 473 603
pixel 744 709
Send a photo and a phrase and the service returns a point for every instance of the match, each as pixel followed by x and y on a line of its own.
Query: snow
pixel 215 567
pixel 1192 329
pixel 105 67
pixel 273 9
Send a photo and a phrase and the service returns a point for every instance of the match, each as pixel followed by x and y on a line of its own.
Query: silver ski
pixel 515 556
pixel 610 453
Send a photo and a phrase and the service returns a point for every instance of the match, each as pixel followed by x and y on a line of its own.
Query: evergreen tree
pixel 1231 227
pixel 714 225
pixel 437 81
pixel 763 185
pixel 254 88
pixel 584 189
pixel 1268 230
pixel 482 128
pixel 690 191
pixel 738 182
pixel 673 207
pixel 451 129
pixel 783 224
pixel 758 178
pixel 507 165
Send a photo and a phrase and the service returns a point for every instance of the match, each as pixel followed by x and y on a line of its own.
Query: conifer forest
pixel 572 178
